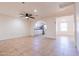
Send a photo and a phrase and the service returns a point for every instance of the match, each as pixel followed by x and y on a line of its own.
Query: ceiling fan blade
pixel 21 14
pixel 32 17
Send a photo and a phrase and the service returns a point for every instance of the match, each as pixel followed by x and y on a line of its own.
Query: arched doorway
pixel 40 28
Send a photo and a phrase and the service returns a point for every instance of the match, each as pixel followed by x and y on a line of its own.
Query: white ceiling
pixel 13 9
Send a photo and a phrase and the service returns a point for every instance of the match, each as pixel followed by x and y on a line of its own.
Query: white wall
pixel 77 24
pixel 13 27
pixel 51 27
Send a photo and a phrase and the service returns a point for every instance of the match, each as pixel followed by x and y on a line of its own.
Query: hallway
pixel 38 45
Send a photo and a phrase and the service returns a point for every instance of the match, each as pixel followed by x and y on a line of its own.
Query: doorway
pixel 40 28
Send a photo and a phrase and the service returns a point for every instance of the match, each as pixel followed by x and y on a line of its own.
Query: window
pixel 63 26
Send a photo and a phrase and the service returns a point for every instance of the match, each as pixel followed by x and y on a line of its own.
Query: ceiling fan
pixel 27 15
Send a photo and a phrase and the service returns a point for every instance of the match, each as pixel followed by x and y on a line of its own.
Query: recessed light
pixel 35 10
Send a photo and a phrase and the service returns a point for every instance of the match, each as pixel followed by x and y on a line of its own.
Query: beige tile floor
pixel 37 46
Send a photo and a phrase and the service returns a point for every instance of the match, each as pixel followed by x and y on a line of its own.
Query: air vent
pixel 65 4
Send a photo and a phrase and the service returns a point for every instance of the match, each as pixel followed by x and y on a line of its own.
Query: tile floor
pixel 38 46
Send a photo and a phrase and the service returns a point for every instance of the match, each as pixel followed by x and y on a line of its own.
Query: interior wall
pixel 51 27
pixel 77 24
pixel 13 27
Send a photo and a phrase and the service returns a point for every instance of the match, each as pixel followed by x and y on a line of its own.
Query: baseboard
pixel 14 37
pixel 50 38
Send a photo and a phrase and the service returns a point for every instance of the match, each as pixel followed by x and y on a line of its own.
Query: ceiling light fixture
pixel 26 17
pixel 35 10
